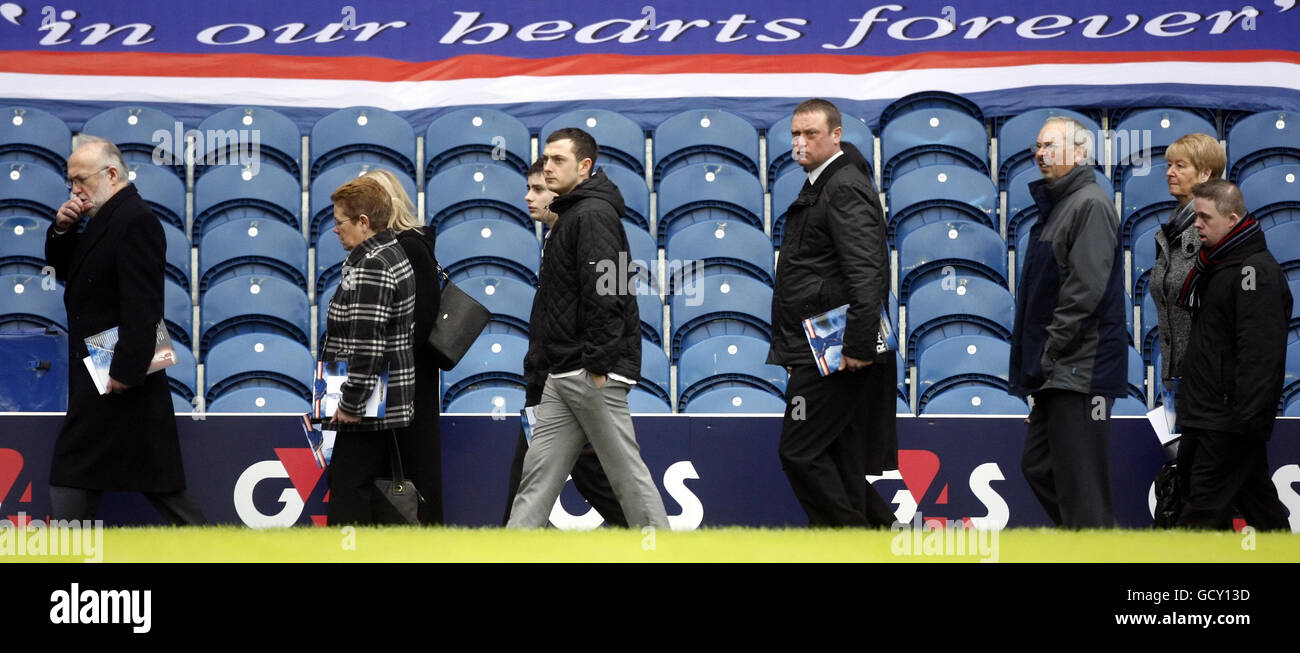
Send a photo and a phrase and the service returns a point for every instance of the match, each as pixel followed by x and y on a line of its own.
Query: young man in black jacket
pixel 841 427
pixel 1233 369
pixel 584 344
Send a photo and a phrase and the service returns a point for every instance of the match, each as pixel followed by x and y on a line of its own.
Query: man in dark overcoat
pixel 112 265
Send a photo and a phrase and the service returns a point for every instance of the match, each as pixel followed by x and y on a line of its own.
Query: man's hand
pixel 598 379
pixel 71 213
pixel 117 387
pixel 344 418
pixel 852 364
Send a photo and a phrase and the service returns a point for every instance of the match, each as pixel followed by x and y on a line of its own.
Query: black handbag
pixel 459 322
pixel 1169 495
pixel 398 500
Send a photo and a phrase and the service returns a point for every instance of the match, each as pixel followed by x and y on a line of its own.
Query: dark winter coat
pixel 1236 354
pixel 584 315
pixel 1070 331
pixel 114 276
pixel 834 252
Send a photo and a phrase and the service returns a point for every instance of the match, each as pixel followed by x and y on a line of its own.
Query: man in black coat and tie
pixel 841 427
pixel 125 439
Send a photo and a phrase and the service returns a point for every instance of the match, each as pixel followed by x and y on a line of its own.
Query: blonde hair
pixel 403 217
pixel 1203 151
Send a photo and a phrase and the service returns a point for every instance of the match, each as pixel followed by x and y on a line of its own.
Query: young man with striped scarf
pixel 1233 369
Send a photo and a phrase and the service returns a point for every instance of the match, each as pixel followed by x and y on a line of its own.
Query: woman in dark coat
pixel 420 443
pixel 1192 159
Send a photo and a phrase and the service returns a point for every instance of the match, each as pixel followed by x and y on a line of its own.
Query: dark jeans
pixel 1066 459
pixel 1220 470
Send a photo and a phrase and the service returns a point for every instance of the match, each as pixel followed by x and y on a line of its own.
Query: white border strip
pixel 404 96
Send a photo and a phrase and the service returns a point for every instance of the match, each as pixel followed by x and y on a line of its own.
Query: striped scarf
pixel 1190 296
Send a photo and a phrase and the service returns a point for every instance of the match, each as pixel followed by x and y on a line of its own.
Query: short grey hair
pixel 1082 136
pixel 109 155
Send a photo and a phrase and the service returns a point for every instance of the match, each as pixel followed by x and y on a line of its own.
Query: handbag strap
pixel 395 459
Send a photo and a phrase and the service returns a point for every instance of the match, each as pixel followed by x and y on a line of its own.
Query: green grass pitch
pixel 406 544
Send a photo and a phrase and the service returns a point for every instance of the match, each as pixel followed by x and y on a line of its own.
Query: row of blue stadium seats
pixel 918 130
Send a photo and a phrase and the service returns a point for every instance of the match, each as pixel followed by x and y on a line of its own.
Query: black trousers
pixel 826 447
pixel 588 476
pixel 359 458
pixel 74 503
pixel 1220 470
pixel 1066 458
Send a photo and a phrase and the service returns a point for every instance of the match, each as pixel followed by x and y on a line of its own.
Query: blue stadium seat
pixel 232 136
pixel 928 100
pixel 1021 209
pixel 785 190
pixel 703 136
pixel 476 135
pixel 34 136
pixel 489 248
pixel 22 245
pixel 961 361
pixel 942 249
pixel 975 398
pixel 133 130
pixel 34 369
pixel 1260 141
pixel 901 369
pixel 259 399
pixel 735 399
pixel 1128 407
pixel 178 314
pixel 1137 375
pixel 1284 243
pixel 723 362
pixel 636 195
pixel 329 261
pixel 1147 203
pixel 721 304
pixel 722 247
pixel 644 251
pixel 476 191
pixel 24 302
pixel 509 299
pixel 230 193
pixel 363 134
pixel 253 304
pixel 1291 378
pixel 1150 328
pixel 619 140
pixel 779 145
pixel 163 191
pixel 261 360
pixel 495 359
pixel 1294 286
pixel 929 137
pixel 651 309
pixel 707 193
pixel 30 190
pixel 1017 136
pixel 975 306
pixel 1142 137
pixel 323 298
pixel 1144 258
pixel 178 255
pixel 321 209
pixel 1273 194
pixel 1022 249
pixel 640 401
pixel 491 397
pixel 183 376
pixel 655 376
pixel 252 247
pixel 940 193
pixel 181 406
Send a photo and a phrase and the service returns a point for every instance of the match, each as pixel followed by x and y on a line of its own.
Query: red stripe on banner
pixel 144 64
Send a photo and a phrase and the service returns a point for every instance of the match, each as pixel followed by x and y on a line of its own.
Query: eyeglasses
pixel 81 181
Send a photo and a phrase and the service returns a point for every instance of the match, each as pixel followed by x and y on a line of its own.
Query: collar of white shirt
pixel 812 176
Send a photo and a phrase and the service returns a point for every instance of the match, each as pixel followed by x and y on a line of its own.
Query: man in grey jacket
pixel 1069 350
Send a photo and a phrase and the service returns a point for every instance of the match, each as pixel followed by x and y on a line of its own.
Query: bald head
pixel 96 171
